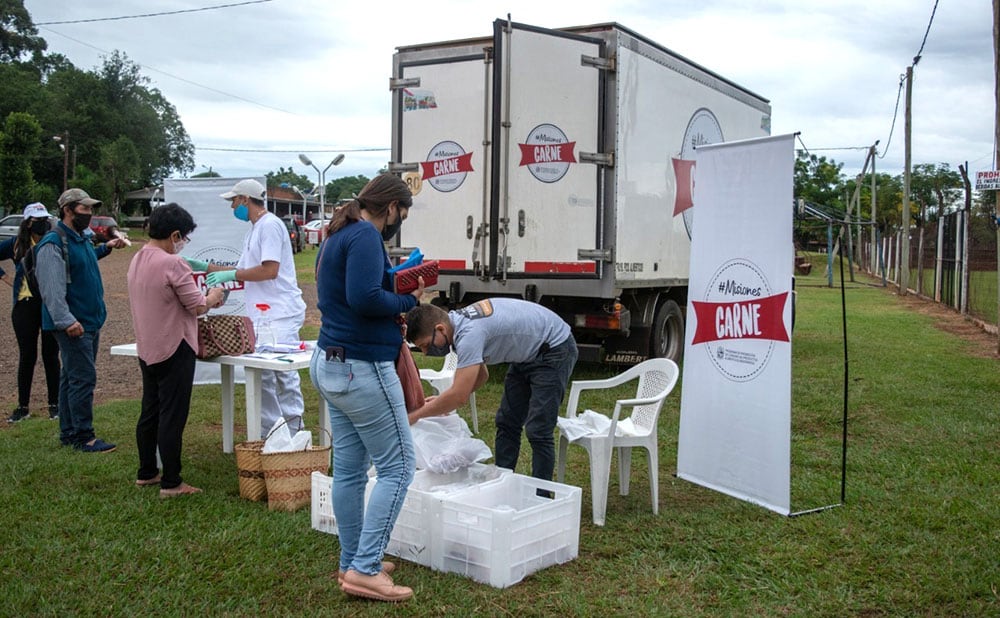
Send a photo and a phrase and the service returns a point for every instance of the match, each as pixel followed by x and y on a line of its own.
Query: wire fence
pixel 949 262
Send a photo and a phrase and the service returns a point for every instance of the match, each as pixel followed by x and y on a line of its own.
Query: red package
pixel 405 281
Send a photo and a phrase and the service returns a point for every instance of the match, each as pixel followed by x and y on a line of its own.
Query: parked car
pixel 311 231
pixel 104 228
pixel 295 235
pixel 10 225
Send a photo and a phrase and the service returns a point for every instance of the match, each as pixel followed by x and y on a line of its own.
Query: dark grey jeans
pixel 76 386
pixel 532 395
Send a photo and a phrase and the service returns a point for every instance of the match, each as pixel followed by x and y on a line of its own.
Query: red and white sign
pixel 547 153
pixel 988 180
pixel 446 166
pixel 735 427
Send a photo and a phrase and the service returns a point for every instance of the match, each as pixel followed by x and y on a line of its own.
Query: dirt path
pixel 117 377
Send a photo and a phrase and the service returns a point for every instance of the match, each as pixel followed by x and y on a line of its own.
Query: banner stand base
pixel 819 509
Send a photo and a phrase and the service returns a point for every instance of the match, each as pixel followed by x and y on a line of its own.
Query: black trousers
pixel 166 402
pixel 26 316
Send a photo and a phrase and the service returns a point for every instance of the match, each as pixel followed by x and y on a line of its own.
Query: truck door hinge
pixel 599 255
pixel 398 83
pixel 598 158
pixel 399 168
pixel 603 64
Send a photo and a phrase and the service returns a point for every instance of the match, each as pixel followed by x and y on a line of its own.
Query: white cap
pixel 248 187
pixel 35 211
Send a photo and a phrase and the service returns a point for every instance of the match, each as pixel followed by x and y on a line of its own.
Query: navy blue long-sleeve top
pixel 358 307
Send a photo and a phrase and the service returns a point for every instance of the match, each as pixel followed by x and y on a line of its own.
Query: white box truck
pixel 556 166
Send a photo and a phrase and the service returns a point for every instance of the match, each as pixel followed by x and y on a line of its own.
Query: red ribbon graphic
pixel 683 174
pixel 547 153
pixel 442 167
pixel 756 318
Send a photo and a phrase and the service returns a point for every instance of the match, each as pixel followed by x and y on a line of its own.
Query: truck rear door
pixel 442 137
pixel 544 205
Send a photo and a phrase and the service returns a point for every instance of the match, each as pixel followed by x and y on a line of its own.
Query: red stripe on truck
pixel 560 267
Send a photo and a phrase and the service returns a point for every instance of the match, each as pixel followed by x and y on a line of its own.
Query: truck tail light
pixel 602 321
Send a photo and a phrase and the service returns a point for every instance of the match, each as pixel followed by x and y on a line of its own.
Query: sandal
pixel 147 482
pixel 181 490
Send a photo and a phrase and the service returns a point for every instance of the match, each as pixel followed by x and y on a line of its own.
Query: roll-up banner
pixel 735 425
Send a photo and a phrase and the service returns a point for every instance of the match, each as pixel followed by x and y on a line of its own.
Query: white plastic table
pixel 252 366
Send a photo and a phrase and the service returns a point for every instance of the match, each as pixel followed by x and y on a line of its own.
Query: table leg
pixel 324 423
pixel 226 376
pixel 252 377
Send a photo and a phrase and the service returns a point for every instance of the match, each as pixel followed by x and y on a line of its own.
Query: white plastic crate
pixel 411 536
pixel 501 532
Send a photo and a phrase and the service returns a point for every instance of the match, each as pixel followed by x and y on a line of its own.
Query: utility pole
pixel 904 243
pixel 996 141
pixel 874 255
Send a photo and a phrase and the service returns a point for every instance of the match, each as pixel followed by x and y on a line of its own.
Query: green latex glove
pixel 196 265
pixel 219 277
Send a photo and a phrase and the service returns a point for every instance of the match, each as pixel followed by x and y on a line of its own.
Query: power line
pixel 895 113
pixel 178 78
pixel 204 8
pixel 916 58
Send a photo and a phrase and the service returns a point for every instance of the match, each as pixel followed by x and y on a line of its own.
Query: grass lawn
pixel 918 535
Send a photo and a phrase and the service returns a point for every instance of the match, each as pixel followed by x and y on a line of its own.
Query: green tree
pixel 19 143
pixel 819 181
pixel 18 35
pixel 345 187
pixel 290 178
pixel 120 166
pixel 934 187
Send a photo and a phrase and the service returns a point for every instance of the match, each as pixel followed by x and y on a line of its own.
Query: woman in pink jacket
pixel 166 303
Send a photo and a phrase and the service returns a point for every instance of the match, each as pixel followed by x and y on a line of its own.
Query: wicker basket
pixel 288 476
pixel 252 484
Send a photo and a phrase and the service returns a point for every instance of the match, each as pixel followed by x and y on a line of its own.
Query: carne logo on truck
pixel 446 166
pixel 547 152
pixel 740 320
pixel 703 128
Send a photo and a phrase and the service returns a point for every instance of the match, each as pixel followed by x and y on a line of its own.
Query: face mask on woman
pixel 389 230
pixel 39 226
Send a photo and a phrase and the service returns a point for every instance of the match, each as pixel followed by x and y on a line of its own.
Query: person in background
pixel 267 270
pixel 354 370
pixel 165 303
pixel 541 351
pixel 26 315
pixel 73 310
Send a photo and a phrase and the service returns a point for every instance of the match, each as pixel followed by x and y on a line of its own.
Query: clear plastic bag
pixel 444 444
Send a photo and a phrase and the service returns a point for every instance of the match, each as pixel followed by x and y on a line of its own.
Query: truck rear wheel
pixel 668 332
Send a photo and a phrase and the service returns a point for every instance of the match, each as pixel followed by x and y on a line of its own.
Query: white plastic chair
pixel 657 378
pixel 441 381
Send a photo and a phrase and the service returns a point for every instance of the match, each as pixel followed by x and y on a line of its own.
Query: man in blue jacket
pixel 73 309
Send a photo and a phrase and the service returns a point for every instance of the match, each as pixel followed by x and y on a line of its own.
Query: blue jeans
pixel 369 424
pixel 76 386
pixel 532 394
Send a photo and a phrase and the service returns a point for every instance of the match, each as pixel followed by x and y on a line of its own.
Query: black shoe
pixel 53 411
pixel 20 413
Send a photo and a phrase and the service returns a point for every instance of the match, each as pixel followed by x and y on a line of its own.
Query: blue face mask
pixel 241 212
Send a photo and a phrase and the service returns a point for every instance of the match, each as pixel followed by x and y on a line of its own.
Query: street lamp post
pixel 63 141
pixel 322 188
pixel 305 218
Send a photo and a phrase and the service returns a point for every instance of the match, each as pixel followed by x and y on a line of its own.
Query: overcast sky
pixel 312 75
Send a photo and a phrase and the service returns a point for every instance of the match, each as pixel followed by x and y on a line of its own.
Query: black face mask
pixel 389 231
pixel 39 226
pixel 437 350
pixel 81 221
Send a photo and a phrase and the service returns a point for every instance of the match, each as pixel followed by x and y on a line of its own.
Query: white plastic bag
pixel 445 444
pixel 281 440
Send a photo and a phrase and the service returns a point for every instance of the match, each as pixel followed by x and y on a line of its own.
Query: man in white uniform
pixel 267 270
